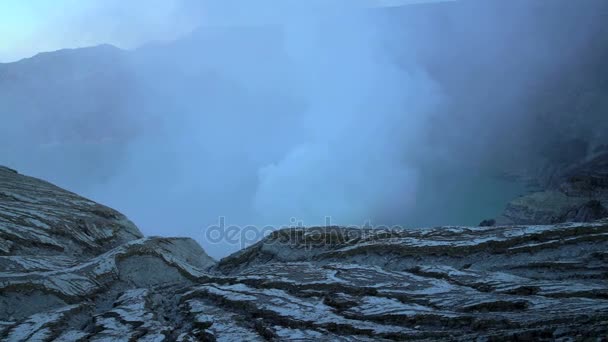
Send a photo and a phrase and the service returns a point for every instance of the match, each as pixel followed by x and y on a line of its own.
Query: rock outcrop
pixel 578 193
pixel 38 218
pixel 73 270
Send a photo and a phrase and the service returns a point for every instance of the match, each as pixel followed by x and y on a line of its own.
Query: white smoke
pixel 363 114
pixel 274 110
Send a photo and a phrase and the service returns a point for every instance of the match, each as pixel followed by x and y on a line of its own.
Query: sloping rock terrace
pixel 73 270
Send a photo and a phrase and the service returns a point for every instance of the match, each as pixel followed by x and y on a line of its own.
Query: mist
pixel 310 125
pixel 267 115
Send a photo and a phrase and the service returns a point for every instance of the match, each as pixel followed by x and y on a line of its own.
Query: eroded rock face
pixel 69 267
pixel 578 193
pixel 37 218
pixel 333 283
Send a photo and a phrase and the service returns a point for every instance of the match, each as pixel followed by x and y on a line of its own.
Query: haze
pixel 274 115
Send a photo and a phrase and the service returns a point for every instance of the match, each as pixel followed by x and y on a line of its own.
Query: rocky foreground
pixel 74 270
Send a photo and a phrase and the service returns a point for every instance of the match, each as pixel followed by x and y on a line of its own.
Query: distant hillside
pixel 519 76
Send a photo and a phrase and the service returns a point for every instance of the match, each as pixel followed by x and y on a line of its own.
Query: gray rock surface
pixel 337 284
pixel 578 193
pixel 38 218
